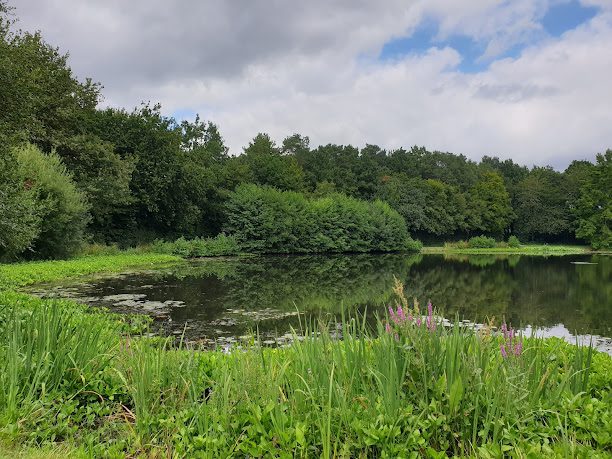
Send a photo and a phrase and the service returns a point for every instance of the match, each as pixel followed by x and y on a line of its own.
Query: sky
pixel 521 79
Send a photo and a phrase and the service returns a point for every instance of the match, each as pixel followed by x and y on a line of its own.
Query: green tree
pixel 268 166
pixel 489 205
pixel 429 207
pixel 542 206
pixel 62 208
pixel 105 178
pixel 594 207
pixel 20 212
pixel 40 99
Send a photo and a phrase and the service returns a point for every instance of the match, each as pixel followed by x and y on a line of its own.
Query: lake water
pixel 220 300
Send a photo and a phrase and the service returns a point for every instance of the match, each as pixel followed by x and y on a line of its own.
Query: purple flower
pixel 431 324
pixel 502 347
pixel 518 348
pixel 387 327
pixel 400 313
pixel 392 315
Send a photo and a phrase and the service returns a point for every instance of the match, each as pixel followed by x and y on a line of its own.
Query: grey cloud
pixel 152 41
pixel 514 92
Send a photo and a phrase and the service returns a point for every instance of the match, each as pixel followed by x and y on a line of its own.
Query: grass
pixel 71 379
pixel 74 383
pixel 18 275
pixel 526 249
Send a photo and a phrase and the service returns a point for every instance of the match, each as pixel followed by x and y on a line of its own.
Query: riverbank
pixel 81 383
pixel 18 275
pixel 527 249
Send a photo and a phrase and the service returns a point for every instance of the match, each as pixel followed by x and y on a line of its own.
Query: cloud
pixel 311 67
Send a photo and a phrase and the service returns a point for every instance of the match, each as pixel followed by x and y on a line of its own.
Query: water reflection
pixel 228 298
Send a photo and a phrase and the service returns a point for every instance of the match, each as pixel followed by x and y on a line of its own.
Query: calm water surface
pixel 222 300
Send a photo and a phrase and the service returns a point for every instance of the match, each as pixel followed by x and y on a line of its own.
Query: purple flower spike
pixel 388 327
pixel 518 349
pixel 502 348
pixel 400 313
pixel 418 321
pixel 392 315
pixel 429 309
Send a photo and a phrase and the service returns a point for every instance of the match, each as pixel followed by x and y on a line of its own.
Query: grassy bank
pixel 74 383
pixel 527 249
pixel 21 274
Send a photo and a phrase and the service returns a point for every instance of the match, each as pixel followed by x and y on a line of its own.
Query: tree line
pixel 72 172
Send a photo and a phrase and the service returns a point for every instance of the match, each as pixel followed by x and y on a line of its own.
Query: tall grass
pixel 44 349
pixel 413 388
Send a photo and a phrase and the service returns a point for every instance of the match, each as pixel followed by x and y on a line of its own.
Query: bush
pixel 42 213
pixel 414 245
pixel 514 242
pixel 199 247
pixel 20 218
pixel 266 220
pixel 482 242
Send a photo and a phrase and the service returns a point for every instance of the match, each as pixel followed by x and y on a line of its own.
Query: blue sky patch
pixel 558 19
pixel 566 16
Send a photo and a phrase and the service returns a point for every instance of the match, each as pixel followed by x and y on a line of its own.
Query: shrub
pixel 20 219
pixel 199 247
pixel 266 220
pixel 514 242
pixel 61 207
pixel 482 242
pixel 414 245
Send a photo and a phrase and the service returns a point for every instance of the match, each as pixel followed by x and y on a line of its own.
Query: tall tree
pixel 594 207
pixel 541 206
pixel 489 202
pixel 268 166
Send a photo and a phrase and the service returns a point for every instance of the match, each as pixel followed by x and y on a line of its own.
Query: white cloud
pixel 311 67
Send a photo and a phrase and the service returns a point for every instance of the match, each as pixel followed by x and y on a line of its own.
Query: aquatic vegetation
pixel 21 274
pixel 69 376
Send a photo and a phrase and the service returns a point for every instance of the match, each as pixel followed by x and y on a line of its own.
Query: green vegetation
pixel 506 248
pixel 73 173
pixel 69 377
pixel 21 274
pixel 199 247
pixel 264 219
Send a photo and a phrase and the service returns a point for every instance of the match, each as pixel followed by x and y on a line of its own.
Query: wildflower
pixel 430 320
pixel 502 348
pixel 393 316
pixel 518 349
pixel 511 343
pixel 400 313
pixel 387 327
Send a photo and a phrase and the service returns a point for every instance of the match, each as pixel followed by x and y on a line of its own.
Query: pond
pixel 222 300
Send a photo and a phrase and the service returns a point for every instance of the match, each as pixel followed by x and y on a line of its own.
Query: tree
pixel 541 206
pixel 60 205
pixel 20 213
pixel 489 205
pixel 269 167
pixel 429 207
pixel 594 207
pixel 105 178
pixel 40 99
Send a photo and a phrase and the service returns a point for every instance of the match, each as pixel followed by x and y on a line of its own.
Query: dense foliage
pixel 46 213
pixel 145 176
pixel 264 219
